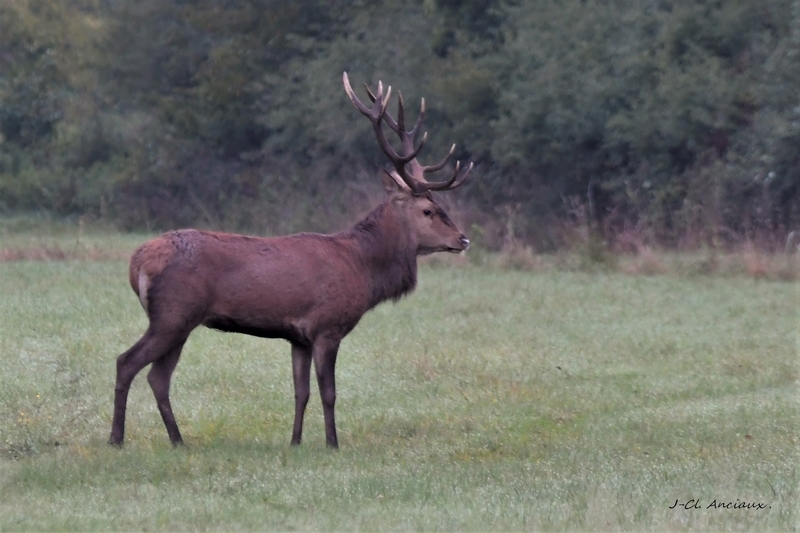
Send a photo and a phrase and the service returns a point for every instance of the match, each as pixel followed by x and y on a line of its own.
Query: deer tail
pixel 147 263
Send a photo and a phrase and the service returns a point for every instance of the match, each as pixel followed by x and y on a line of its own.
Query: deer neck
pixel 388 254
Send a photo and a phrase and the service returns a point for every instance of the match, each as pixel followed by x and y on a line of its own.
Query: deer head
pixel 405 183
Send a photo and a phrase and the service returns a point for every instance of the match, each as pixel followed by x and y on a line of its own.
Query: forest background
pixel 672 123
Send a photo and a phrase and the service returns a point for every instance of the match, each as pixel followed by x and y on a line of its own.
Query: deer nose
pixel 464 242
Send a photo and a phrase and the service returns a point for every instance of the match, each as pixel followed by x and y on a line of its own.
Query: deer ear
pixel 393 183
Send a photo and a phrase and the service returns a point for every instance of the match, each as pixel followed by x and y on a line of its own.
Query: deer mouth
pixel 463 241
pixel 464 246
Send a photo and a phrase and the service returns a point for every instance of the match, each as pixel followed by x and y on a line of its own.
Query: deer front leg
pixel 324 354
pixel 301 370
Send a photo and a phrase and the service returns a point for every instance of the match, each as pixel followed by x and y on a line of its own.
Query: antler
pixel 415 179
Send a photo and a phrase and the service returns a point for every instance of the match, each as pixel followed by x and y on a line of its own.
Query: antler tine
pixel 403 159
pixel 353 98
pixel 409 137
pixel 418 149
pixel 415 130
pixel 399 127
pixel 369 92
pixel 440 165
pixel 384 101
pixel 401 115
pixel 451 184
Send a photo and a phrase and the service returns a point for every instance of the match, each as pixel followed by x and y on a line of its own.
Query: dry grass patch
pixel 56 253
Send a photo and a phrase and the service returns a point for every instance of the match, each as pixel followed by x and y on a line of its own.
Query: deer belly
pixel 267 331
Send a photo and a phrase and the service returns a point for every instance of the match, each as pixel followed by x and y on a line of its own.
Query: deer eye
pixel 426 212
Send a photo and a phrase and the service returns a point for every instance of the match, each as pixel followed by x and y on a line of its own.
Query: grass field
pixel 490 399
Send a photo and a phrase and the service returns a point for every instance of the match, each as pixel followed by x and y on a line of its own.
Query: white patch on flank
pixel 144 284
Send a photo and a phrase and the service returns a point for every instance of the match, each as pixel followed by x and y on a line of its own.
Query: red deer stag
pixel 309 289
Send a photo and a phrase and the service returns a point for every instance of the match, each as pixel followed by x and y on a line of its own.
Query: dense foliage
pixel 670 121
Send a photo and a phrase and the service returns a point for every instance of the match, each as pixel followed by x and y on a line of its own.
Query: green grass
pixel 487 400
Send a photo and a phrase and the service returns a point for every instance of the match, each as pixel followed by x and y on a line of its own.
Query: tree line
pixel 674 122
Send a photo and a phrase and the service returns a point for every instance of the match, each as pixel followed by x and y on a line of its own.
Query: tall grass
pixel 491 399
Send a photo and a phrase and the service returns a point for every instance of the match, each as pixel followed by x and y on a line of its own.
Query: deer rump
pixel 309 289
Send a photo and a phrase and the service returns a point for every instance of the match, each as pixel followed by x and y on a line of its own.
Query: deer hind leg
pixel 301 370
pixel 324 354
pixel 151 347
pixel 159 379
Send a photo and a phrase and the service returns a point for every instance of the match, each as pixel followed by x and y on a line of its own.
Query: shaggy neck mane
pixel 387 252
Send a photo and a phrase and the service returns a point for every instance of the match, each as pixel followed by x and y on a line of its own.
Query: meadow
pixel 490 399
